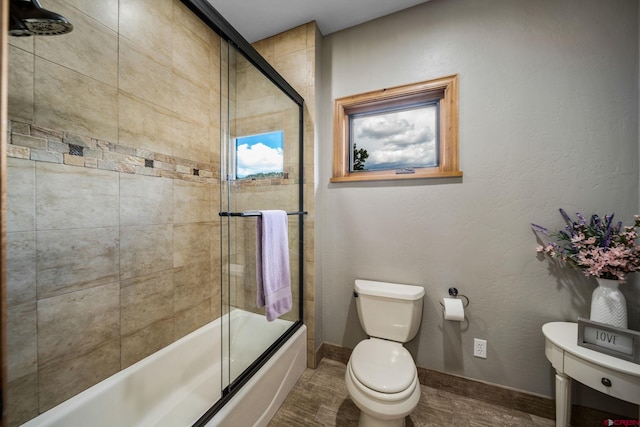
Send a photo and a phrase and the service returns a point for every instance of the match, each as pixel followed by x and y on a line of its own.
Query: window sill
pixel 387 175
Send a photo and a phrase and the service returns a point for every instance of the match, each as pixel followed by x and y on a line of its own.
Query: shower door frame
pixel 205 11
pixel 4 86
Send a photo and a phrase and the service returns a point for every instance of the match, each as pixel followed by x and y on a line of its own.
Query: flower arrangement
pixel 598 247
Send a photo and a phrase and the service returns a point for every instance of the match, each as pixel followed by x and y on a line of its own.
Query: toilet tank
pixel 389 310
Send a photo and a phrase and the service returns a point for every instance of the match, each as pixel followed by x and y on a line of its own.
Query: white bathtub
pixel 176 385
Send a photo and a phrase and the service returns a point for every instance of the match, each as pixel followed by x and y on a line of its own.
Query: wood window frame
pixel 445 89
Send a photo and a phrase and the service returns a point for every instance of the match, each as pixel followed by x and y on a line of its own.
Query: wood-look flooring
pixel 320 398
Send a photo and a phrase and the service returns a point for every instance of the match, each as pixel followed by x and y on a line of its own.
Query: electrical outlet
pixel 480 348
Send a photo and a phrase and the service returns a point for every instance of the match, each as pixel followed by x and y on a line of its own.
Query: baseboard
pixel 491 393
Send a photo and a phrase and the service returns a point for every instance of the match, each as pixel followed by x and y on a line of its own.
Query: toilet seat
pixel 388 398
pixel 384 367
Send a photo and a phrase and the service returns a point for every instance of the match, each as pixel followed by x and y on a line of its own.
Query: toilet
pixel 381 375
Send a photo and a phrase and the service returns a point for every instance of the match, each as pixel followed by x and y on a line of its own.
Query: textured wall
pixel 548 119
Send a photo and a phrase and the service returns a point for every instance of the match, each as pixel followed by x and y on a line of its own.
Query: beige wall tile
pixel 77 323
pixel 69 101
pixel 191 285
pixel 21 84
pixel 145 300
pixel 266 48
pixel 141 75
pixel 22 399
pixel 191 102
pixel 63 379
pixel 22 340
pixel 145 250
pixel 103 11
pixel 290 41
pixel 148 23
pixel 252 85
pixel 91 49
pixel 294 66
pixel 21 268
pixel 192 243
pixel 147 341
pixel 21 203
pixel 72 197
pixel 191 56
pixel 215 280
pixel 216 299
pixel 191 140
pixel 145 200
pixel 144 125
pixel 24 43
pixel 214 154
pixel 194 202
pixel 193 318
pixel 76 259
pixel 184 18
pixel 310 84
pixel 215 56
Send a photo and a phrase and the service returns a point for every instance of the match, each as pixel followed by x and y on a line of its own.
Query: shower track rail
pixel 256 213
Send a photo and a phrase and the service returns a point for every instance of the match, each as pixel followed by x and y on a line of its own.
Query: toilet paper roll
pixel 453 309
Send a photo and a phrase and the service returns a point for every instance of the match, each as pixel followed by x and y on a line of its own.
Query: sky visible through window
pixel 260 155
pixel 397 139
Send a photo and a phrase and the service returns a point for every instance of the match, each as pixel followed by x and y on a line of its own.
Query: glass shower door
pixel 260 154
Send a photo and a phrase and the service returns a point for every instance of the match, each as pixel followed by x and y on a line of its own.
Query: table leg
pixel 563 400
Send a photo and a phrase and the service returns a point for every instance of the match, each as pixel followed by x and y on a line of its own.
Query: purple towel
pixel 272 264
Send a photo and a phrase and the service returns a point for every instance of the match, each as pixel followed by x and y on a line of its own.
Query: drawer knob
pixel 606 382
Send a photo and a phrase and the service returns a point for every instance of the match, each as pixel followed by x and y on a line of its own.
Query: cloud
pixel 258 158
pixel 417 155
pixel 396 130
pixel 411 137
pixel 398 139
pixel 381 127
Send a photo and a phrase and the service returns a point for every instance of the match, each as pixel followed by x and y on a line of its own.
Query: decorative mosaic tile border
pixel 31 142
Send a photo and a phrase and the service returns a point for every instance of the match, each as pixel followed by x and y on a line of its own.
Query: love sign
pixel 607 339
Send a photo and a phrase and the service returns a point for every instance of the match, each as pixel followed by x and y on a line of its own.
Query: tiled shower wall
pixel 112 226
pixel 112 229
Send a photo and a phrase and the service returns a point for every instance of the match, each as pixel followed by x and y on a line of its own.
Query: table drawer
pixel 623 386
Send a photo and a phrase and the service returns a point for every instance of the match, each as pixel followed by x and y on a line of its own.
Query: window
pixel 405 132
pixel 260 156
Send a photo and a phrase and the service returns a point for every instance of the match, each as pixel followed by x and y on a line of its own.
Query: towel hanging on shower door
pixel 272 263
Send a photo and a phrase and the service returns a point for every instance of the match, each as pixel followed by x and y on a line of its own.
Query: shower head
pixel 17 28
pixel 37 21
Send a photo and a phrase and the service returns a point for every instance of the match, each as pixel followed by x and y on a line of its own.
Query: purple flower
pixel 597 247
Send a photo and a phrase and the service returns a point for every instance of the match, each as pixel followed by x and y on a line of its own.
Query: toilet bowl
pixel 382 381
pixel 381 376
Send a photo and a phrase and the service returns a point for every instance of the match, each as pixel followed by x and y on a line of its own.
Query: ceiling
pixel 258 19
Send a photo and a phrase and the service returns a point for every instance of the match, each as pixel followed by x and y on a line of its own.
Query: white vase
pixel 608 305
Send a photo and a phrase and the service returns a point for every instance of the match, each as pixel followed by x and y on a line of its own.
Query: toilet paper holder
pixel 453 292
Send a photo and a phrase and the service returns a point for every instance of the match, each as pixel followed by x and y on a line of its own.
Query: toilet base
pixel 380 413
pixel 367 420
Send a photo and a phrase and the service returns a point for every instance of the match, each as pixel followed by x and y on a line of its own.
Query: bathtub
pixel 176 385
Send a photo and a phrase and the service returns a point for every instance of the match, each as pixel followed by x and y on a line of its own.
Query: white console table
pixel 607 374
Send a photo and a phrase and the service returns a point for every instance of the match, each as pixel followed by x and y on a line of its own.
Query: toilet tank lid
pixel 389 290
